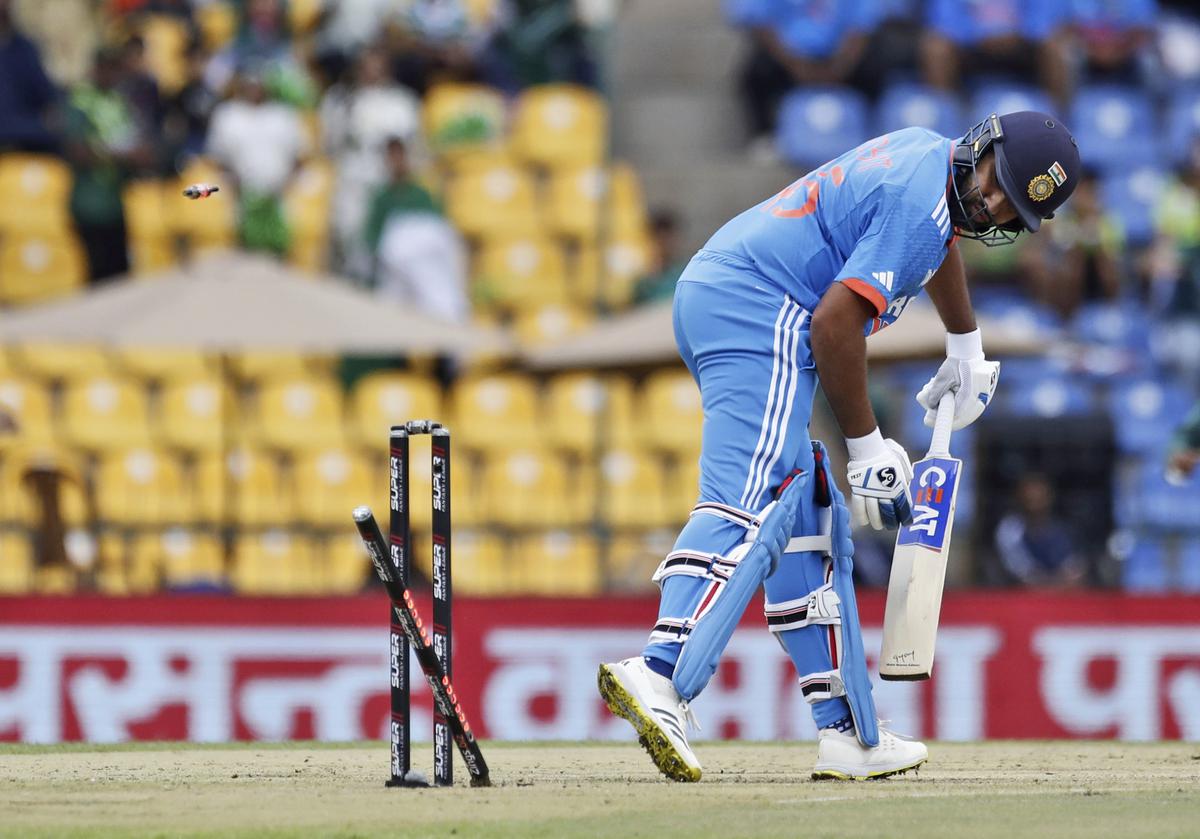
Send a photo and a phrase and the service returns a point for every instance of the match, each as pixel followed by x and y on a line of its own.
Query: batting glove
pixel 967 375
pixel 879 481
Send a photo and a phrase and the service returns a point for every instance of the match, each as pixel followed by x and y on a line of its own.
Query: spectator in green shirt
pixel 666 264
pixel 401 194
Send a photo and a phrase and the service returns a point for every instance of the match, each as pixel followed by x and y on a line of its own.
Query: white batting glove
pixel 879 472
pixel 965 373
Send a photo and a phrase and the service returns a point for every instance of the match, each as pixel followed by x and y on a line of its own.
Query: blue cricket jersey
pixel 875 219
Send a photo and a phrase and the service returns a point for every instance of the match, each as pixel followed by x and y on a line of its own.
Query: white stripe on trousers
pixel 784 377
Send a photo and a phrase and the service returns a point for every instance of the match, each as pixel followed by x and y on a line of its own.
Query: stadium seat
pixel 560 125
pixel 1114 324
pixel 514 274
pixel 36 267
pixel 1144 569
pixel 166 38
pixel 1145 413
pixel 142 487
pixel 683 487
pixel 329 484
pixel 258 366
pixel 341 563
pixel 207 223
pixel 904 105
pixel 671 413
pixel 307 201
pixel 495 412
pixel 480 564
pixel 528 488
pixel 28 403
pixel 1145 500
pixel 549 323
pixel 493 203
pixel 1047 398
pixel 16 563
pixel 36 190
pixel 218 24
pixel 632 490
pixel 461 118
pixel 576 196
pixel 585 410
pixel 246 486
pixel 102 412
pixel 179 559
pixel 1132 196
pixel 633 557
pixel 465 492
pixel 146 218
pixel 817 124
pixel 298 414
pixel 1114 125
pixel 163 364
pixel 1002 97
pixel 196 415
pixel 274 563
pixel 1183 124
pixel 610 283
pixel 1017 312
pixel 20 501
pixel 381 400
pixel 558 563
pixel 54 362
pixel 1189 566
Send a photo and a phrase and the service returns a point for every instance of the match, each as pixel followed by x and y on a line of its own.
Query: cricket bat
pixel 914 599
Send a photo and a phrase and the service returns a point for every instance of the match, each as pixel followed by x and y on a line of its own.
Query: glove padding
pixel 879 488
pixel 972 380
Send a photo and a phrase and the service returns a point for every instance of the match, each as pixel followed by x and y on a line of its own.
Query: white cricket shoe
pixel 649 701
pixel 841 757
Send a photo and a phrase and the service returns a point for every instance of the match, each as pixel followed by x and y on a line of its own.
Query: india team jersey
pixel 875 219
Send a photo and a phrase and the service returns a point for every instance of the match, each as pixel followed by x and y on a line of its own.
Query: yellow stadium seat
pixel 633 557
pixel 303 15
pixel 309 255
pixel 683 486
pixel 521 273
pixel 151 257
pixel 329 484
pixel 672 416
pixel 261 365
pixel 560 125
pixel 101 412
pixel 479 564
pixel 151 240
pixel 196 415
pixel 632 488
pixel 113 567
pixel 526 488
pixel 494 203
pixel 341 563
pixel 143 487
pixel 557 562
pixel 495 412
pixel 610 282
pixel 299 414
pixel 60 361
pixel 166 40
pixel 274 563
pixel 36 190
pixel 16 564
pixel 461 118
pixel 181 558
pixel 381 400
pixel 307 201
pixel 576 195
pixel 550 322
pixel 246 486
pixel 218 24
pixel 478 160
pixel 23 500
pixel 163 364
pixel 584 410
pixel 34 267
pixel 465 501
pixel 207 222
pixel 27 403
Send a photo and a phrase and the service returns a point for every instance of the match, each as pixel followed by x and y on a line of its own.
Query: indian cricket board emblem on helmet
pixel 1041 187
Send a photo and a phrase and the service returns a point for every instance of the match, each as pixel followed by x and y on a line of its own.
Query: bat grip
pixel 940 445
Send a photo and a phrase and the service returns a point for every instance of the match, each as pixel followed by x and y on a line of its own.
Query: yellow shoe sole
pixel 656 743
pixel 835 775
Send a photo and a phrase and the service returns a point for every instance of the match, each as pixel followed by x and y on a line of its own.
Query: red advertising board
pixel 218 668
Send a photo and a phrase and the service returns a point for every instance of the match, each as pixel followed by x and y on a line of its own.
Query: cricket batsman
pixel 780 297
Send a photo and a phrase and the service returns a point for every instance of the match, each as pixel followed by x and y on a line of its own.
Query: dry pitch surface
pixel 999 789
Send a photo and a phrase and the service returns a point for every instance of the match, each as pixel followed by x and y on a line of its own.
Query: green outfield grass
pixel 998 789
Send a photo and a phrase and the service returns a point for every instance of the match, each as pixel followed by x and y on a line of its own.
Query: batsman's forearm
pixel 841 358
pixel 948 291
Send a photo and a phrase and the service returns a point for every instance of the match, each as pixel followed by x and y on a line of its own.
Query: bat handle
pixel 940 445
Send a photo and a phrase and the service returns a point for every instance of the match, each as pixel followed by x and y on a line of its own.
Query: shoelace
pixel 689 715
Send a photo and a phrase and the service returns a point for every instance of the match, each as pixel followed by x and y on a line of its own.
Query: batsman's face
pixel 990 194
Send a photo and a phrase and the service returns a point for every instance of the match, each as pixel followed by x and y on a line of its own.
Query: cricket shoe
pixel 841 757
pixel 649 701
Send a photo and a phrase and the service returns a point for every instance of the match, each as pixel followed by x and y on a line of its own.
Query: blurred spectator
pixel 26 92
pixel 261 144
pixel 140 88
pixel 666 262
pixel 1083 253
pixel 1173 267
pixel 357 120
pixel 345 28
pixel 1111 41
pixel 104 148
pixel 796 42
pixel 432 41
pixel 420 258
pixel 973 40
pixel 187 112
pixel 1185 449
pixel 67 33
pixel 263 43
pixel 538 41
pixel 1035 546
